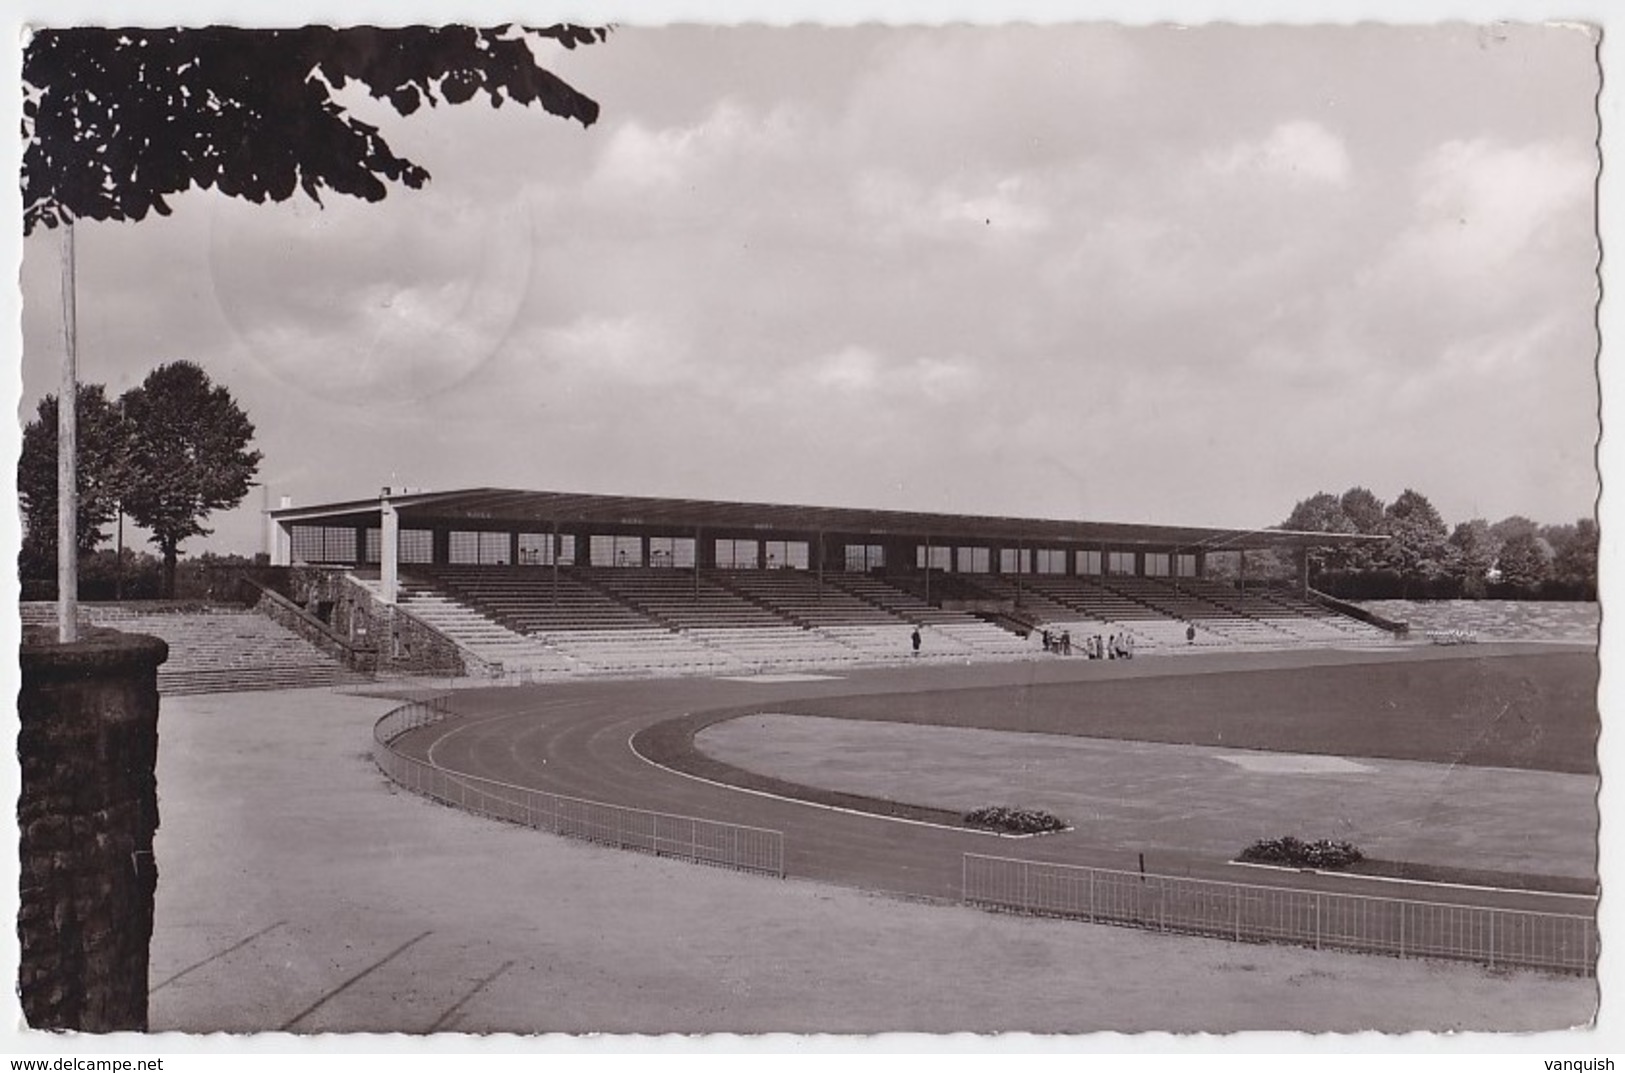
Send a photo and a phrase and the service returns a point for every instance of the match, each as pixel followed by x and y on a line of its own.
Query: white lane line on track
pixel 1414 882
pixel 820 804
pixel 455 773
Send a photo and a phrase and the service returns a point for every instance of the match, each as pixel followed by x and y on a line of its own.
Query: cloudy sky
pixel 1130 274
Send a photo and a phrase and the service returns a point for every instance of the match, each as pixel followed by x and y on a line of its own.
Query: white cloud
pixel 629 350
pixel 1299 151
pixel 638 158
pixel 989 209
pixel 1479 204
pixel 851 369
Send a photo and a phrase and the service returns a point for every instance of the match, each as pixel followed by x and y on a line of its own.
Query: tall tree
pixel 1576 560
pixel 1475 552
pixel 115 121
pixel 1525 561
pixel 1515 525
pixel 103 453
pixel 1323 513
pixel 1362 508
pixel 1418 548
pixel 189 456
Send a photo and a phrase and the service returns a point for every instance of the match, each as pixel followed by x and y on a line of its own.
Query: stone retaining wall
pixel 88 749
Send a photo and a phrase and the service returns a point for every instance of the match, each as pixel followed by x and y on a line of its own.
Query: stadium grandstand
pixel 541 584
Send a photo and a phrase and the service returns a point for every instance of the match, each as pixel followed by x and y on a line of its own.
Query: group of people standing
pixel 1117 646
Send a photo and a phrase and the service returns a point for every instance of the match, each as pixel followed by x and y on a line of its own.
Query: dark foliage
pixel 101 476
pixel 1296 853
pixel 115 121
pixel 189 456
pixel 1020 821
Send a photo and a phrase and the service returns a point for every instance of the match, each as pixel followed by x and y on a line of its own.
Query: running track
pixel 573 739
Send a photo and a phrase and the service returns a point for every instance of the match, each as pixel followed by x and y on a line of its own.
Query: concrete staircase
pixel 213 648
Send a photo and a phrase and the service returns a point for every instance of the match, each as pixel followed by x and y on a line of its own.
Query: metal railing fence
pixel 722 845
pixel 1321 919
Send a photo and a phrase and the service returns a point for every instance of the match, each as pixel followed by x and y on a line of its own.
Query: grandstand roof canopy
pixel 495 507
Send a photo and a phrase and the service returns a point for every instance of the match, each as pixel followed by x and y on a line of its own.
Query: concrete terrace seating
pixel 634 645
pixel 799 596
pixel 479 635
pixel 679 599
pixel 1093 600
pixel 1496 620
pixel 1031 603
pixel 951 629
pixel 900 605
pixel 535 599
pixel 777 646
pixel 214 648
pixel 1308 621
pixel 646 651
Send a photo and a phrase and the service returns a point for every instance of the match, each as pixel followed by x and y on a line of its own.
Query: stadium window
pixel 535 549
pixel 322 544
pixel 1014 561
pixel 1049 561
pixel 864 557
pixel 1089 562
pixel 1185 565
pixel 785 554
pixel 305 543
pixel 463 547
pixel 972 560
pixel 616 550
pixel 495 549
pixel 375 546
pixel 416 546
pixel 1156 564
pixel 671 551
pixel 1120 563
pixel 940 557
pixel 736 554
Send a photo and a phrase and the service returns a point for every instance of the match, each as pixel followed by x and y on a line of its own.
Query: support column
pixel 281 544
pixel 928 569
pixel 389 549
pixel 1303 569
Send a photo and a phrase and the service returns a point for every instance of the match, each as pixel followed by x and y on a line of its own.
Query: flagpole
pixel 67 450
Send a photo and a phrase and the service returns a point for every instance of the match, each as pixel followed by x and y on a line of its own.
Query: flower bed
pixel 1018 821
pixel 1296 853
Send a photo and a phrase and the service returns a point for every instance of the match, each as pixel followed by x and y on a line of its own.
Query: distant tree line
pixel 1423 558
pixel 168 453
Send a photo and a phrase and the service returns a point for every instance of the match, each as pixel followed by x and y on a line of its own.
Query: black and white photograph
pixel 983 527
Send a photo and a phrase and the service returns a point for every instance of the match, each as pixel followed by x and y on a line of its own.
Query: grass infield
pixel 1536 712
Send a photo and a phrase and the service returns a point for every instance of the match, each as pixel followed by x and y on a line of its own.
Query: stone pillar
pixel 282 544
pixel 87 747
pixel 389 551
